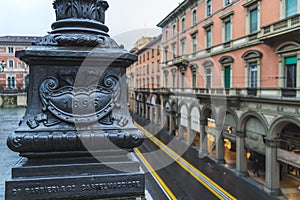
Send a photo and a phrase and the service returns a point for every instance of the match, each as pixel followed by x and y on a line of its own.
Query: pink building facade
pixel 230 84
pixel 13 71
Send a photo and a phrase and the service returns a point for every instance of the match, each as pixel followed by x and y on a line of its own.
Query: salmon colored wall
pixel 142 71
pixel 268 62
pixel 272 15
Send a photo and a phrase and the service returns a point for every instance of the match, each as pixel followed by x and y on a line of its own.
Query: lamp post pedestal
pixel 77 135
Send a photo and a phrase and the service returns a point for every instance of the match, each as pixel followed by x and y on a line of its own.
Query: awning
pixel 288 157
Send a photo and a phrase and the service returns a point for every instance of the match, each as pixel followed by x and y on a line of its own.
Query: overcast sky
pixel 126 19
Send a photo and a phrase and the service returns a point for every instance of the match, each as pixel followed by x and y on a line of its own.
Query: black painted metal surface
pixel 77 109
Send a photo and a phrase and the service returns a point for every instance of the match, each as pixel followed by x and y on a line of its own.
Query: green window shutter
pixel 227 76
pixel 290 60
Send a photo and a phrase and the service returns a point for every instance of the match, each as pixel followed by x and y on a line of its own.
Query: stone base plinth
pixel 114 177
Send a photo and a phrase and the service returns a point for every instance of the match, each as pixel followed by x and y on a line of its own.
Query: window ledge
pixel 227 44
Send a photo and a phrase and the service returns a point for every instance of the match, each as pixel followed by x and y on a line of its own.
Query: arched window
pixel 183 24
pixel 208 65
pixel 289 67
pixel 9 82
pixel 194 17
pixel 194 70
pixel 252 73
pixel 226 62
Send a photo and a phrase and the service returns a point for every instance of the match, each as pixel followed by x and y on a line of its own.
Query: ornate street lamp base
pixel 77 178
pixel 77 130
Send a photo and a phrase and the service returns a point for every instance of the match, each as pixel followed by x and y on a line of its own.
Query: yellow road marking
pixel 177 159
pixel 157 177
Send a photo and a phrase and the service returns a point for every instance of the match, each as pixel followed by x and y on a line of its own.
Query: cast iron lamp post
pixel 77 130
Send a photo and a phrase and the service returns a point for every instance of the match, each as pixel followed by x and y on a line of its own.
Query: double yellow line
pixel 199 176
pixel 156 176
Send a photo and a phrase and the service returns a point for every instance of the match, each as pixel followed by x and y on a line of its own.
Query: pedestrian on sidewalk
pixel 256 167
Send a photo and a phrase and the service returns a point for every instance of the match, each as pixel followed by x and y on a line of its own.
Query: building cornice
pixel 175 13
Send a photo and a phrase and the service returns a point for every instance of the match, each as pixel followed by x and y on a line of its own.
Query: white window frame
pixel 9 62
pixel 206 77
pixel 194 17
pixel 250 64
pixel 209 29
pixel 251 7
pixel 10 50
pixel 19 65
pixel 208 65
pixel 227 2
pixel 194 43
pixel 183 46
pixel 174 30
pixel 183 24
pixel 174 50
pixel 208 10
pixel 224 30
pixel 283 8
pixel 252 57
pixel 227 17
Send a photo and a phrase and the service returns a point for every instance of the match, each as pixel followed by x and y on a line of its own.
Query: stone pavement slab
pixel 9 120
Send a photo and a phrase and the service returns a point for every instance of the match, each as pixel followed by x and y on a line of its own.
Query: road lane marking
pixel 156 177
pixel 199 176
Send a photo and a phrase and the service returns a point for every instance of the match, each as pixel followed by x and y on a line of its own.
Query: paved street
pixel 180 181
pixel 9 120
pixel 185 186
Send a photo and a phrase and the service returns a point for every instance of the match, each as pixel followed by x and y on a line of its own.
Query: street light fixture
pixel 2 65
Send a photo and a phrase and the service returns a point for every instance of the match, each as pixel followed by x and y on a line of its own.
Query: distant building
pixel 145 73
pixel 229 83
pixel 14 73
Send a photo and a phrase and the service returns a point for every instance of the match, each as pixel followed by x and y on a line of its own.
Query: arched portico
pixel 286 130
pixel 227 121
pixel 251 132
pixel 208 131
pixel 184 123
pixel 195 125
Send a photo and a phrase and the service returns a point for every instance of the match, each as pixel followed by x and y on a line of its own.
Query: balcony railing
pixel 274 93
pixel 180 61
pixel 281 27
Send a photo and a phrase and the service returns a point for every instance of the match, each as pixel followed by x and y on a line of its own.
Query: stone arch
pixel 195 125
pixel 183 113
pixel 140 97
pixel 279 123
pixel 194 67
pixel 183 122
pixel 226 60
pixel 194 104
pixel 222 114
pixel 206 110
pixel 152 100
pixel 195 113
pixel 255 128
pixel 287 46
pixel 252 54
pixel 252 114
pixel 207 64
pixel 167 106
pixel 174 106
pixel 181 105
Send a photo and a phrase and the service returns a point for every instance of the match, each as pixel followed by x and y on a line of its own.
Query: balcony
pixel 180 61
pixel 267 93
pixel 281 29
